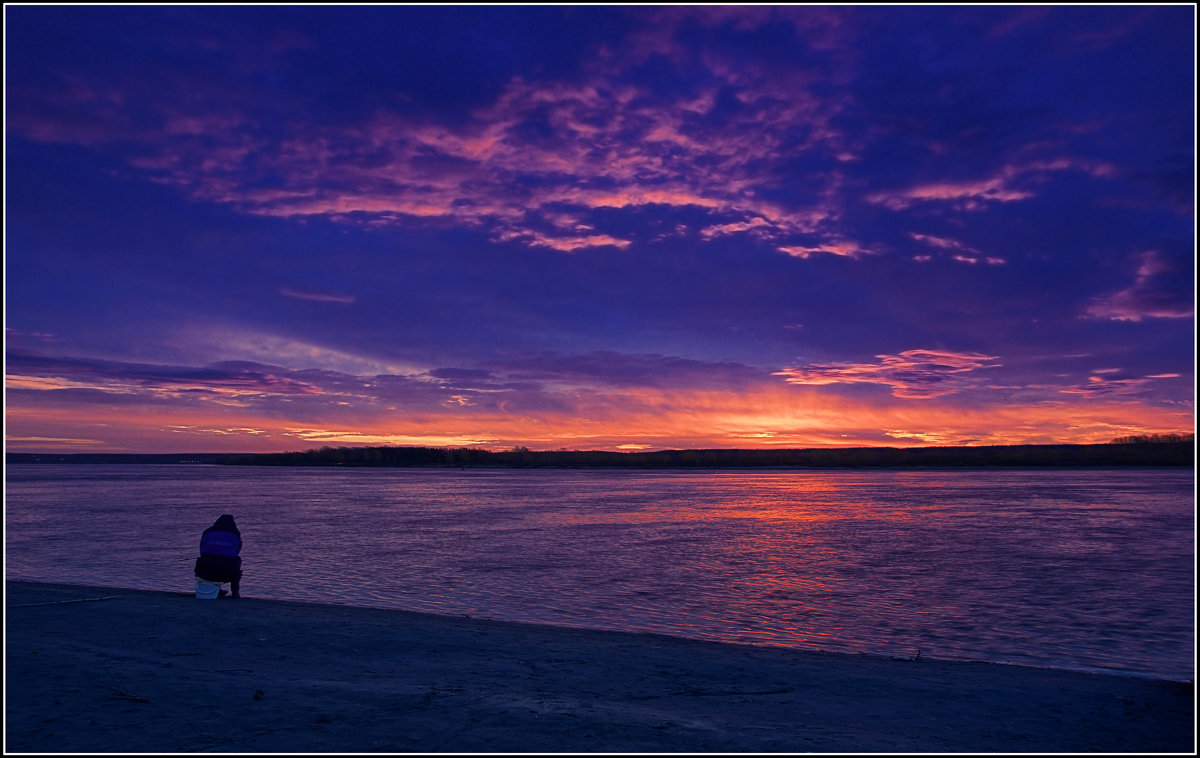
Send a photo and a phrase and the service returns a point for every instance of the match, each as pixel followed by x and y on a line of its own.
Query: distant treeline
pixel 174 458
pixel 1144 452
pixel 1153 439
pixel 1127 454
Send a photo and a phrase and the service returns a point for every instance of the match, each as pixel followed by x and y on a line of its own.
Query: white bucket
pixel 207 590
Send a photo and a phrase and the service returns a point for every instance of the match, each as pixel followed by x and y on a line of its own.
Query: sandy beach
pixel 95 669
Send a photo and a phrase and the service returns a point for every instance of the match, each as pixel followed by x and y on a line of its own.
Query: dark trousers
pixel 220 569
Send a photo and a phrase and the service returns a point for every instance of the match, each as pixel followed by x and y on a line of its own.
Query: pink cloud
pixel 566 244
pixel 958 250
pixel 914 374
pixel 1145 298
pixel 968 196
pixel 843 248
pixel 602 144
pixel 716 230
pixel 942 243
pixel 1011 183
pixel 321 297
pixel 1099 385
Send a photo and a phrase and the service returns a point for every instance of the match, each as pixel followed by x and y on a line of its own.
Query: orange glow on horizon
pixel 643 419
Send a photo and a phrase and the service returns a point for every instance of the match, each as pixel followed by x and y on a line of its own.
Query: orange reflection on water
pixel 787 556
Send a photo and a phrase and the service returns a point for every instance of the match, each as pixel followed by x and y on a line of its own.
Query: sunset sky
pixel 277 228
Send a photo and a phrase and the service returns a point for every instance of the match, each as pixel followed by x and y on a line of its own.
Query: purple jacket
pixel 222 538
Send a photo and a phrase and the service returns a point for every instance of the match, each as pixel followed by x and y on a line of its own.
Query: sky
pixel 266 228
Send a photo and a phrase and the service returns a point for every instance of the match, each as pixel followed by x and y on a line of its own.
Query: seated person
pixel 219 561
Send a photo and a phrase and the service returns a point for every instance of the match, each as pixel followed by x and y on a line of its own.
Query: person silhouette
pixel 220 560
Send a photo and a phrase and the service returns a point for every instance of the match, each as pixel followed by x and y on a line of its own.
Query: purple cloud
pixel 229 377
pixel 1154 294
pixel 610 369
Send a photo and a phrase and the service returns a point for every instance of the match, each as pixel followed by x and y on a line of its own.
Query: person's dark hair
pixel 225 524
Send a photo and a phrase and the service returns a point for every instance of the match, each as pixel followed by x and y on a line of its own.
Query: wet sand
pixel 160 672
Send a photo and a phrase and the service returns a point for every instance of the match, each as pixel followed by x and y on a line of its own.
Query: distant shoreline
pixel 1126 455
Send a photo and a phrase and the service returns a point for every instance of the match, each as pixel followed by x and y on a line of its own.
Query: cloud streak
pixel 320 297
pixel 1153 294
pixel 913 374
pixel 228 378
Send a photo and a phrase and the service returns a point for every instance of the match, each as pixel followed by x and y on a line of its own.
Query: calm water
pixel 1085 569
